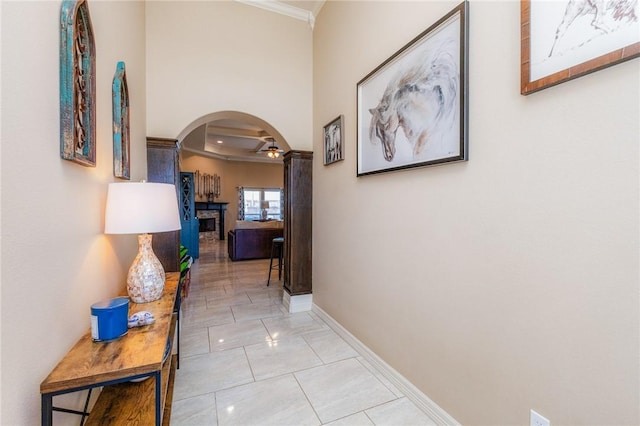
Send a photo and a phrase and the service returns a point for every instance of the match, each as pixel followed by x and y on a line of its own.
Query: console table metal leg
pixel 47 409
pixel 158 398
pixel 176 309
pixel 85 413
pixel 178 341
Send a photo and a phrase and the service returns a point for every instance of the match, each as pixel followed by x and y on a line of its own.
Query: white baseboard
pixel 300 303
pixel 412 393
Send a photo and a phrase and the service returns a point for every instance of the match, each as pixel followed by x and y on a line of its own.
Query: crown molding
pixel 283 9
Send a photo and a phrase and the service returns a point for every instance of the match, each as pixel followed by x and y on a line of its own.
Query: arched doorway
pixel 232 135
pixel 238 161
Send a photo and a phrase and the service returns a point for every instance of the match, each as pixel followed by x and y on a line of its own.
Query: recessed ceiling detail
pixel 233 136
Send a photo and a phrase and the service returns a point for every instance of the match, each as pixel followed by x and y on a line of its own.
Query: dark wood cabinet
pixel 298 170
pixel 163 167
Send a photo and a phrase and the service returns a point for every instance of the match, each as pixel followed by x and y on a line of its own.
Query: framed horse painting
pixel 563 40
pixel 412 109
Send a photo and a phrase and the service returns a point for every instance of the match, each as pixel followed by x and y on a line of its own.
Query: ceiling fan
pixel 272 150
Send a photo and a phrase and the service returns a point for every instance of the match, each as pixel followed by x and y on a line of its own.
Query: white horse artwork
pixel 605 16
pixel 568 33
pixel 424 101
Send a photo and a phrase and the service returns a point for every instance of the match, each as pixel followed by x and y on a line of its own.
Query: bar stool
pixel 276 244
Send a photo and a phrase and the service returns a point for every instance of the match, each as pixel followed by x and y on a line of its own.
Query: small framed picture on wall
pixel 332 135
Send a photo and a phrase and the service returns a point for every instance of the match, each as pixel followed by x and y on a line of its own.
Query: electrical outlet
pixel 538 420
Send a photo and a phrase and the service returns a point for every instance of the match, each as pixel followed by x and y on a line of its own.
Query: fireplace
pixel 212 211
pixel 207 224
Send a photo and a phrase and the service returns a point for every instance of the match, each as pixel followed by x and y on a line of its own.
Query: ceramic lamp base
pixel 145 281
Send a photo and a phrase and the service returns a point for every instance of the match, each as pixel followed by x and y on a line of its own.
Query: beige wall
pixel 232 175
pixel 56 261
pixel 514 285
pixel 210 56
pixel 505 283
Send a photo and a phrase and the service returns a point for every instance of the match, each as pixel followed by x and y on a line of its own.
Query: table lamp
pixel 264 205
pixel 142 208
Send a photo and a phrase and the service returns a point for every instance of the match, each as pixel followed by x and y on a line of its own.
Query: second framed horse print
pixel 563 40
pixel 412 109
pixel 332 134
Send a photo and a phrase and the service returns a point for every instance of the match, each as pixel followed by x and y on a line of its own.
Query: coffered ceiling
pixel 236 137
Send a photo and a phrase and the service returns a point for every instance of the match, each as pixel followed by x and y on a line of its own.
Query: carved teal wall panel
pixel 121 161
pixel 77 84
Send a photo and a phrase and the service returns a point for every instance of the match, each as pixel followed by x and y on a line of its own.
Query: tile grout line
pixel 307 397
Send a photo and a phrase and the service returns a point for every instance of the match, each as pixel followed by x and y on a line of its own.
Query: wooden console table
pixel 140 354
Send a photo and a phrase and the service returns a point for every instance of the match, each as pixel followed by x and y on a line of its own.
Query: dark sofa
pixel 252 243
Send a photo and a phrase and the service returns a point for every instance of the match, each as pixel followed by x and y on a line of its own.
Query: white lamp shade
pixel 141 207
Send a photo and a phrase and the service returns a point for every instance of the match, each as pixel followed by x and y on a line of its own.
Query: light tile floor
pixel 246 361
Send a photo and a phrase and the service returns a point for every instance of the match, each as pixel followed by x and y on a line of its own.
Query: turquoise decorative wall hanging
pixel 77 84
pixel 121 161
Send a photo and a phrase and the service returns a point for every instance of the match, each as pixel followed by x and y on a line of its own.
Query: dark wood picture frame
pixel 412 110
pixel 77 84
pixel 333 140
pixel 530 84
